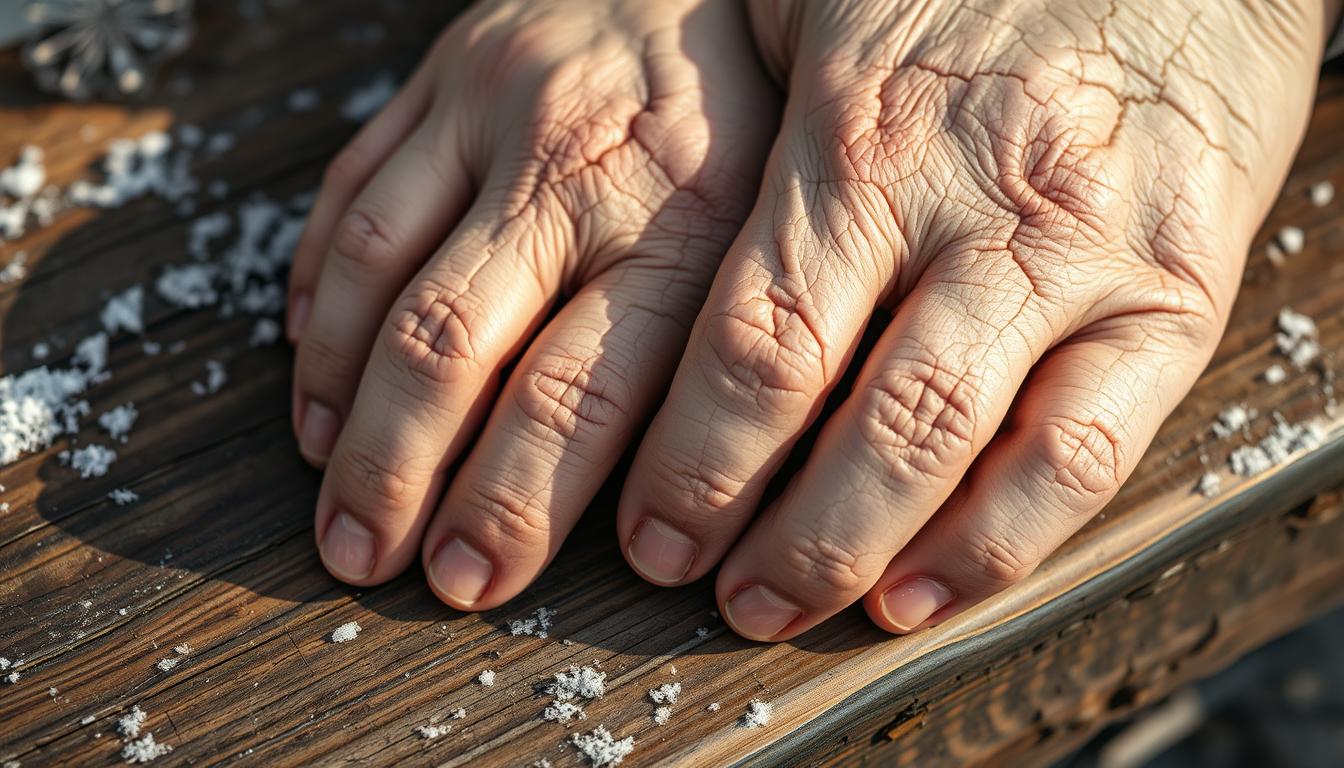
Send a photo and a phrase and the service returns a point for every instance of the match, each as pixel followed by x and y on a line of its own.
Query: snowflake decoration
pixel 84 48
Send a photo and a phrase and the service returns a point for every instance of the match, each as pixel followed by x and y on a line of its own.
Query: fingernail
pixel 320 426
pixel 759 613
pixel 298 316
pixel 660 552
pixel 347 548
pixel 911 602
pixel 460 572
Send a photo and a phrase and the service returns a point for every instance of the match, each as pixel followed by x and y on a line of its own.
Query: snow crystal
pixel 303 100
pixel 205 229
pixel 1296 339
pixel 487 677
pixel 539 624
pixel 264 333
pixel 15 270
pixel 12 678
pixel 128 725
pixel 38 405
pixel 1231 420
pixel 134 168
pixel 190 286
pixel 123 496
pixel 758 714
pixel 661 715
pixel 215 378
pixel 90 461
pixel 167 664
pixel 432 731
pixel 1283 440
pixel 21 182
pixel 601 748
pixel 458 713
pixel 124 311
pixel 1322 193
pixel 702 632
pixel 1292 240
pixel 713 707
pixel 144 750
pixel 562 712
pixel 346 632
pixel 1210 484
pixel 578 681
pixel 365 101
pixel 119 420
pixel 1275 374
pixel 666 693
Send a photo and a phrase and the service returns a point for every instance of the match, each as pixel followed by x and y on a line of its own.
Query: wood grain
pixel 218 552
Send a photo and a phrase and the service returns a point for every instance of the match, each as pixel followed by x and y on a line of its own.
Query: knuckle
pixel 433 332
pixel 363 240
pixel 697 491
pixel 765 351
pixel 818 559
pixel 568 396
pixel 374 479
pixel 1083 457
pixel 510 513
pixel 994 565
pixel 920 420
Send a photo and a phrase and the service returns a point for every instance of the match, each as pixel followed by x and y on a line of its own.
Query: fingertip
pixel 909 605
pixel 759 613
pixel 319 428
pixel 660 553
pixel 296 315
pixel 348 549
pixel 459 574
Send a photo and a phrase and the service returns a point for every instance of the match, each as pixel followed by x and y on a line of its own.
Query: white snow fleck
pixel 124 312
pixel 1296 339
pixel 41 350
pixel 586 682
pixel 122 497
pixel 264 333
pixel 16 269
pixel 1233 419
pixel 346 632
pixel 1282 442
pixel 119 420
pixel 128 725
pixel 758 714
pixel 1275 374
pixel 562 712
pixel 432 731
pixel 486 678
pixel 144 750
pixel 1322 193
pixel 666 693
pixel 702 632
pixel 365 101
pixel 215 378
pixel 303 100
pixel 714 706
pixel 166 664
pixel 539 624
pixel 458 714
pixel 92 460
pixel 661 715
pixel 182 650
pixel 190 286
pixel 1292 240
pixel 12 678
pixel 1210 484
pixel 601 748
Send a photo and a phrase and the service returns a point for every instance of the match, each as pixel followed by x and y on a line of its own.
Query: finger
pixel 934 390
pixel 430 378
pixel 345 176
pixel 567 413
pixel 384 237
pixel 1089 412
pixel 776 331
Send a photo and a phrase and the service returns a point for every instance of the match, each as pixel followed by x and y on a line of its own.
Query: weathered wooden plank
pixel 224 493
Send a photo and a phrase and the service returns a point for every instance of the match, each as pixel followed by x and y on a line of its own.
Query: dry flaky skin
pixel 1054 199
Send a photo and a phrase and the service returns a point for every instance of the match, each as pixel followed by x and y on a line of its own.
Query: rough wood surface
pixel 1163 587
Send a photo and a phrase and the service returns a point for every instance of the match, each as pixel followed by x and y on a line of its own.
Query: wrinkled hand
pixel 1055 199
pixel 595 159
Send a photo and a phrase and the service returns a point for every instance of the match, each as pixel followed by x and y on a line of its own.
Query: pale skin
pixel 580 218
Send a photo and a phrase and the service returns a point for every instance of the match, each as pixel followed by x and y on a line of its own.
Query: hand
pixel 559 180
pixel 1055 199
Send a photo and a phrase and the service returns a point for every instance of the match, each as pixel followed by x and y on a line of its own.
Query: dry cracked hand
pixel 1052 199
pixel 555 186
